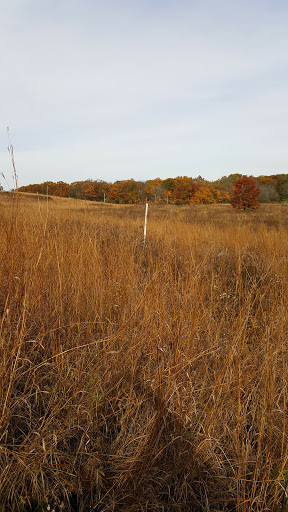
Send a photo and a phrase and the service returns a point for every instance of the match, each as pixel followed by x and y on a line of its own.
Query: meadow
pixel 142 379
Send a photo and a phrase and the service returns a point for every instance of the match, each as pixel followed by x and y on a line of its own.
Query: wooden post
pixel 145 224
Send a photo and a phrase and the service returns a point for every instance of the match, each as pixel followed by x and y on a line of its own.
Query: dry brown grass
pixel 143 381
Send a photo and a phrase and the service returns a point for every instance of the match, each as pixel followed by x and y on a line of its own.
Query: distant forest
pixel 180 190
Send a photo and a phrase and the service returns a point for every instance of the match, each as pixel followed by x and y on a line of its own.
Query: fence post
pixel 145 224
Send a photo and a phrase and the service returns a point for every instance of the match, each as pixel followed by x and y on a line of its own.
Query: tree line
pixel 180 190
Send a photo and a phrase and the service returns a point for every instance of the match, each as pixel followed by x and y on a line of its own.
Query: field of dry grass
pixel 143 380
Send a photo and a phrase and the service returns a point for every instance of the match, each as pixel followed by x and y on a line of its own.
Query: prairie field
pixel 142 379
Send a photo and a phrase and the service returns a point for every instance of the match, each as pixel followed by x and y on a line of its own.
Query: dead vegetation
pixel 142 381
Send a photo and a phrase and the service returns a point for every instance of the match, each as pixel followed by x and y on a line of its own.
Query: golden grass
pixel 137 380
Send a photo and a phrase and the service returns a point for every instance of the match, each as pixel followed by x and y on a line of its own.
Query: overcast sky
pixel 120 89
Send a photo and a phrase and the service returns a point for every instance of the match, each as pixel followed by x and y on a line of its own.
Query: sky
pixel 121 89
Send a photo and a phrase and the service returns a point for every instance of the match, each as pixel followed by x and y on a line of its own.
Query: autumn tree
pixel 281 182
pixel 76 189
pixel 223 187
pixel 154 190
pixel 35 188
pixel 126 192
pixel 184 190
pixel 130 191
pixel 63 189
pixel 245 194
pixel 168 188
pixel 50 188
pixel 203 193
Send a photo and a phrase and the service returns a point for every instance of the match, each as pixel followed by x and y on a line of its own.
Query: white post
pixel 104 197
pixel 145 224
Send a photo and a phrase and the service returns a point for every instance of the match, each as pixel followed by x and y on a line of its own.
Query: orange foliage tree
pixel 245 194
pixel 183 190
pixel 154 190
pixel 203 193
pixel 127 191
pixel 179 190
pixel 63 189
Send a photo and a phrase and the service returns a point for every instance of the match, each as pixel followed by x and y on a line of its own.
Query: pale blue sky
pixel 132 88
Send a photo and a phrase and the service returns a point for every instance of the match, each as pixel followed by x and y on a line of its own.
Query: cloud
pixel 134 89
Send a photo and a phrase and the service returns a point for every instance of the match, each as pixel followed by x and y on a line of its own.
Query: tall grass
pixel 139 380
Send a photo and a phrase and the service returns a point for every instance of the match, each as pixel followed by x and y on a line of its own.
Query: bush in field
pixel 245 194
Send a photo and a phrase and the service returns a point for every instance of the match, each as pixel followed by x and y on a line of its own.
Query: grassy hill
pixel 140 379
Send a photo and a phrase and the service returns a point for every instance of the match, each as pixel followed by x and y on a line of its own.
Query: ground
pixel 142 379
